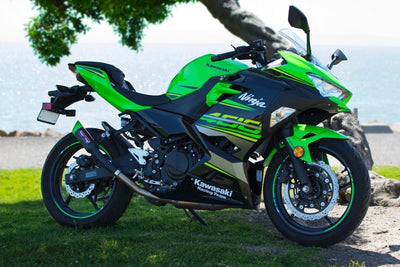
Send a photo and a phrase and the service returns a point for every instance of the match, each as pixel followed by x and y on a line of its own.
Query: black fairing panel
pixel 240 118
pixel 205 185
pixel 279 92
pixel 163 122
pixel 245 118
pixel 191 106
pixel 168 124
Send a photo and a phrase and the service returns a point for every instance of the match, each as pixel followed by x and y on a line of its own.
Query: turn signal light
pixel 298 151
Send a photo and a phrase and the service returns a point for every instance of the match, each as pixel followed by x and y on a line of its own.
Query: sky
pixel 343 22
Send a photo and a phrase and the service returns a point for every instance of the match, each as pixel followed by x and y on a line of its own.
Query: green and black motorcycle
pixel 223 136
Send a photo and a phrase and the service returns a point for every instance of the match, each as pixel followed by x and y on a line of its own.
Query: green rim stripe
pixel 77 217
pixel 69 146
pixel 348 207
pixel 338 222
pixel 273 188
pixel 218 169
pixel 91 214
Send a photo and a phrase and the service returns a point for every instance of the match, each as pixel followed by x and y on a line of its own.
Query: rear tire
pixel 318 219
pixel 97 203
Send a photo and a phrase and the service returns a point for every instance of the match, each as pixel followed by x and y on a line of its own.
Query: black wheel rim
pixel 326 223
pixel 99 192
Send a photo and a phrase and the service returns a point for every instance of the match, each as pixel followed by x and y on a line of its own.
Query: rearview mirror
pixel 337 57
pixel 298 20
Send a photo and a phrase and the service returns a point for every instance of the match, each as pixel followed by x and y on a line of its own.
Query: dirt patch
pixel 376 242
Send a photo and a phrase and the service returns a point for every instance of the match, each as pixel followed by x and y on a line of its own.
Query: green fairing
pixel 297 68
pixel 218 90
pixel 299 132
pixel 99 81
pixel 197 72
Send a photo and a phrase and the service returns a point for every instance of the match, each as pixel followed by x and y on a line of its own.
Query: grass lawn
pixel 145 235
pixel 388 171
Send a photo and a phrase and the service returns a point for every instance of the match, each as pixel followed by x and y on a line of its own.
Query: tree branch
pixel 244 24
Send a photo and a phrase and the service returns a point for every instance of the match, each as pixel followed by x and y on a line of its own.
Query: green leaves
pixel 59 22
pixel 51 35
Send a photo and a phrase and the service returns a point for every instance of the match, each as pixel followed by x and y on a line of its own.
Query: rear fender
pixel 303 136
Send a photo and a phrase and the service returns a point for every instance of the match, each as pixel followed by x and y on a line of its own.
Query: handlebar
pixel 223 56
pixel 255 51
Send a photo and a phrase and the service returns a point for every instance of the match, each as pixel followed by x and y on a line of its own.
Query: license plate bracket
pixel 46 115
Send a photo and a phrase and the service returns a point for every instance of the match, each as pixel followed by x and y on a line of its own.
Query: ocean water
pixel 372 74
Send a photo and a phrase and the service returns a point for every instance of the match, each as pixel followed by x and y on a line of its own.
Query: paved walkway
pixel 31 152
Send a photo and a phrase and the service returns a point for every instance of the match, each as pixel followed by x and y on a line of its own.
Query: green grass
pixel 145 235
pixel 392 172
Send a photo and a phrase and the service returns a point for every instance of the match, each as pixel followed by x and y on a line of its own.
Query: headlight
pixel 326 89
pixel 280 114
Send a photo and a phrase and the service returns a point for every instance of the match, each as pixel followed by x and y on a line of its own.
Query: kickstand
pixel 196 216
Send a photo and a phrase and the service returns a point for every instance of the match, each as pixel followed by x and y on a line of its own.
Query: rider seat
pixel 125 88
pixel 115 75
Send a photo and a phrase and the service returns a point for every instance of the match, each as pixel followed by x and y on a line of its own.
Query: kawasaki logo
pixel 249 98
pixel 216 67
pixel 212 190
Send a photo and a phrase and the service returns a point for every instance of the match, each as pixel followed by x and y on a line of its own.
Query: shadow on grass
pixel 150 235
pixel 145 235
pixel 342 254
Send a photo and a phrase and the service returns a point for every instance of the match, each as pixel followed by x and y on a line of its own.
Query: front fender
pixel 303 136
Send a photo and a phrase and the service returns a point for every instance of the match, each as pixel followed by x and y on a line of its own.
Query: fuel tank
pixel 197 72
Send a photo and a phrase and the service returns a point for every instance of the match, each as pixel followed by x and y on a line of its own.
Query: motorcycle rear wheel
pixel 323 217
pixel 86 204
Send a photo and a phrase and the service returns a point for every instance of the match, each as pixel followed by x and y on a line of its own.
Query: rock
pixel 18 133
pixel 385 192
pixel 51 132
pixel 347 124
pixel 3 133
pixel 344 193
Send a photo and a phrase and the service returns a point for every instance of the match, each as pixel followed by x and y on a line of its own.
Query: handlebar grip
pixel 223 56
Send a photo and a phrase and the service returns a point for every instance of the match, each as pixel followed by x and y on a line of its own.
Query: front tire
pixel 320 218
pixel 96 203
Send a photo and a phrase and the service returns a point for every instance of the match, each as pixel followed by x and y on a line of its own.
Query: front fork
pixel 294 154
pixel 297 140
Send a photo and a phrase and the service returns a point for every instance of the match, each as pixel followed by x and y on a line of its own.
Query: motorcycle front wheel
pixel 86 204
pixel 334 207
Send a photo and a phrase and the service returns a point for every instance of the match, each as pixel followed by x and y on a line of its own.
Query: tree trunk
pixel 347 124
pixel 248 27
pixel 244 24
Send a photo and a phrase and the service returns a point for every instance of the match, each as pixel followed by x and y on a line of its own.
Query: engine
pixel 168 163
